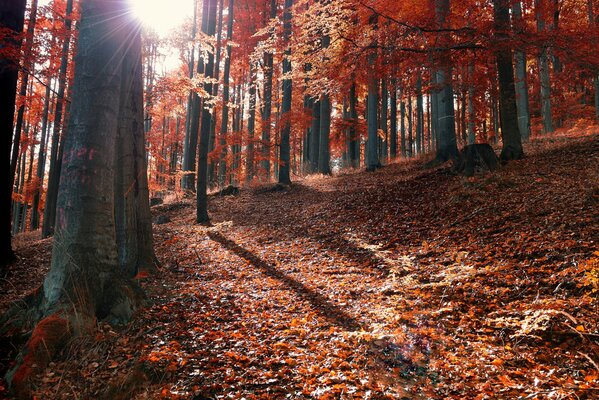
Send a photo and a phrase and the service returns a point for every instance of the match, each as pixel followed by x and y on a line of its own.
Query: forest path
pixel 405 283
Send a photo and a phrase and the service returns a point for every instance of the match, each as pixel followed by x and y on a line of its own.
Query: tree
pixel 88 278
pixel 12 16
pixel 510 134
pixel 284 164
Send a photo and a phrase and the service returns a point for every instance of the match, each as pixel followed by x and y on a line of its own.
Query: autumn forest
pixel 299 199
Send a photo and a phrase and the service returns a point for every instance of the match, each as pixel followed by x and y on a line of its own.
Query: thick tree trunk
pixel 510 134
pixel 372 156
pixel 212 140
pixel 267 114
pixel 12 16
pixel 471 115
pixel 592 23
pixel 57 139
pixel 284 172
pixel 85 281
pixel 202 170
pixel 384 151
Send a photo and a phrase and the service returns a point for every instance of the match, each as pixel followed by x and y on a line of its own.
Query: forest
pixel 299 199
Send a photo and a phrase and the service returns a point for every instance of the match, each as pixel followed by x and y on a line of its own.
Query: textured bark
pixel 419 115
pixel 284 163
pixel 384 150
pixel 402 124
pixel 57 139
pixel 592 23
pixel 12 16
pixel 267 113
pixel 249 160
pixel 315 136
pixel 510 134
pixel 471 115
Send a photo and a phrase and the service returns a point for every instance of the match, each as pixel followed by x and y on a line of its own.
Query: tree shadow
pixel 320 303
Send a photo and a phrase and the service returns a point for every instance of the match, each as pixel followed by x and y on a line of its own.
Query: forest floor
pixel 404 283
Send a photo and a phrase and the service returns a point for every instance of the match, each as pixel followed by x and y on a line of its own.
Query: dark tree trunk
pixel 267 114
pixel 249 165
pixel 12 16
pixel 55 153
pixel 372 156
pixel 393 115
pixel 202 170
pixel 85 281
pixel 315 136
pixel 546 112
pixel 284 171
pixel 354 143
pixel 384 151
pixel 512 144
pixel 28 65
pixel 324 161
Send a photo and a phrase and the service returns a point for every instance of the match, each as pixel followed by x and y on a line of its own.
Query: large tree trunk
pixel 267 114
pixel 202 170
pixel 55 153
pixel 592 23
pixel 249 159
pixel 85 281
pixel 372 156
pixel 315 136
pixel 354 139
pixel 12 16
pixel 284 163
pixel 510 134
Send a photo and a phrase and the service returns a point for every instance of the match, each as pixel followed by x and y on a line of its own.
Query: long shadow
pixel 321 304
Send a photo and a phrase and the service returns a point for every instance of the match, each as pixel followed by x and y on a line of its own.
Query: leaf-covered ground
pixel 404 283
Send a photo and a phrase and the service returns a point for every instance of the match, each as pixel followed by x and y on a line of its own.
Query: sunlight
pixel 162 16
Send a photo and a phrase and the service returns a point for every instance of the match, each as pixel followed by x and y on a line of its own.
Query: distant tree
pixel 12 17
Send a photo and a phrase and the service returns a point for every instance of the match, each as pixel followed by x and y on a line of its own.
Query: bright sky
pixel 162 15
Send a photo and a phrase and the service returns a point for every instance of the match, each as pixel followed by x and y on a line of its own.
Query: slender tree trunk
pixel 410 150
pixel 419 114
pixel 384 117
pixel 447 146
pixel 284 173
pixel 592 23
pixel 267 114
pixel 354 140
pixel 521 81
pixel 471 115
pixel 324 158
pixel 249 166
pixel 315 136
pixel 393 116
pixel 202 170
pixel 193 109
pixel 512 145
pixel 12 17
pixel 402 124
pixel 546 111
pixel 372 156
pixel 222 166
pixel 55 154
pixel 28 65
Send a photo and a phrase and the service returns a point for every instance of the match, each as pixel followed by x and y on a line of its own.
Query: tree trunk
pixel 28 65
pixel 521 81
pixel 546 111
pixel 202 170
pixel 324 158
pixel 447 147
pixel 419 115
pixel 471 115
pixel 249 160
pixel 284 173
pixel 55 154
pixel 393 133
pixel 372 156
pixel 354 141
pixel 512 145
pixel 222 165
pixel 85 281
pixel 596 78
pixel 12 17
pixel 384 151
